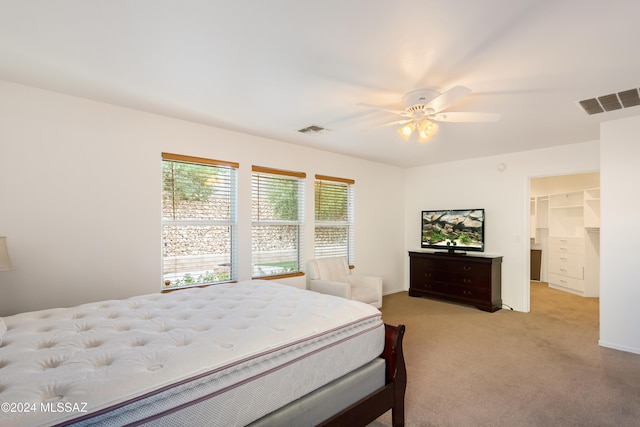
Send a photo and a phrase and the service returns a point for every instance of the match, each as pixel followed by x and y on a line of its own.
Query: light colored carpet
pixel 467 367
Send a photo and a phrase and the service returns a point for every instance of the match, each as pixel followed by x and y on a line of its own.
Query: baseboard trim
pixel 393 291
pixel 614 346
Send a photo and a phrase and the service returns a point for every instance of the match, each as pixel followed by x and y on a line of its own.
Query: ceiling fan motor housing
pixel 419 97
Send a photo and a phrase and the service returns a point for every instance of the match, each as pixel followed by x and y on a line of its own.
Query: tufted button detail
pixel 139 342
pixel 45 329
pixel 54 392
pixel 240 326
pixel 83 327
pixel 182 341
pixel 155 367
pixel 93 344
pixel 47 344
pixel 4 363
pixel 51 363
pixel 285 313
pixel 103 361
pixel 79 315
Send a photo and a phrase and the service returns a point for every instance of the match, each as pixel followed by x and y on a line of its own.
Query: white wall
pixel 558 184
pixel 619 237
pixel 80 197
pixel 477 183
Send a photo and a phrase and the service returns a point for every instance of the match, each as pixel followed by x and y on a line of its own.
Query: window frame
pixel 349 223
pixel 229 186
pixel 299 178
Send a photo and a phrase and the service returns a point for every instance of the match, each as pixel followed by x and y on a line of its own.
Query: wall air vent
pixel 614 101
pixel 312 129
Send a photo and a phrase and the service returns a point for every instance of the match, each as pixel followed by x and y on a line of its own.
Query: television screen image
pixel 453 230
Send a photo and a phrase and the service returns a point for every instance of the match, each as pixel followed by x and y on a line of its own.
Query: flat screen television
pixel 453 230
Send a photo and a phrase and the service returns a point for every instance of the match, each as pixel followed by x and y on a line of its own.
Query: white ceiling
pixel 271 67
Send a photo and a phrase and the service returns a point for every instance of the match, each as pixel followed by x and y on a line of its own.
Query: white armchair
pixel 332 276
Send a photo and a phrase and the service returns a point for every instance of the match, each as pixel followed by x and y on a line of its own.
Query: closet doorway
pixel 565 233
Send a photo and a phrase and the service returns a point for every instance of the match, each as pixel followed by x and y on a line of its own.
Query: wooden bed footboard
pixel 391 396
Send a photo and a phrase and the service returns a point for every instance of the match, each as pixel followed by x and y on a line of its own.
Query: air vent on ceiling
pixel 312 129
pixel 614 101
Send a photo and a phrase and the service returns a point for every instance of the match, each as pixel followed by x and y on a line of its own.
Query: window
pixel 334 228
pixel 277 213
pixel 198 221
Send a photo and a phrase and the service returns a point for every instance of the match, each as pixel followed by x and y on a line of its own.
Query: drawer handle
pixel 563 269
pixel 466 268
pixel 563 258
pixel 563 281
pixel 466 292
pixel 564 240
pixel 466 280
pixel 427 274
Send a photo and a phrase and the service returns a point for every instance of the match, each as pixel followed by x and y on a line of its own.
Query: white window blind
pixel 277 213
pixel 199 221
pixel 334 217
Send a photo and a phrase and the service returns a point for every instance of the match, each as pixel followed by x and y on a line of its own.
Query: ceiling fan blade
pixel 465 117
pixel 448 98
pixel 377 107
pixel 397 122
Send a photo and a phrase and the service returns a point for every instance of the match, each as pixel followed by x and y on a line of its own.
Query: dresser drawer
pixel 565 240
pixel 471 294
pixel 563 269
pixel 454 290
pixel 472 270
pixel 567 249
pixel 566 258
pixel 421 273
pixel 474 276
pixel 566 282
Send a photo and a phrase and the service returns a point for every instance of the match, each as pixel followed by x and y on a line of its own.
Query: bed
pixel 254 353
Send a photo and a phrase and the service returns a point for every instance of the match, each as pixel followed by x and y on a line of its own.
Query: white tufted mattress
pixel 243 350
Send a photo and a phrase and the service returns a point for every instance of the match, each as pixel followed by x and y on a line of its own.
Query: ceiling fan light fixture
pixel 428 127
pixel 423 137
pixel 406 130
pixel 426 130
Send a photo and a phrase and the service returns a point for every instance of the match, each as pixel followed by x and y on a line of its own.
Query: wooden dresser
pixel 466 279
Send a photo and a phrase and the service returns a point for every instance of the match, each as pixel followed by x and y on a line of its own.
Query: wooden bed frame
pixel 390 396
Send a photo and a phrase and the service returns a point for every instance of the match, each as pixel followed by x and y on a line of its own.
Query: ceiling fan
pixel 424 107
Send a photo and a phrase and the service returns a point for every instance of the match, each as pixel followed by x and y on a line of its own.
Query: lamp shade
pixel 406 130
pixel 5 261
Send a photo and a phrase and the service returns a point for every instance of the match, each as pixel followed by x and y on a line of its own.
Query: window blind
pixel 277 213
pixel 334 218
pixel 199 221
